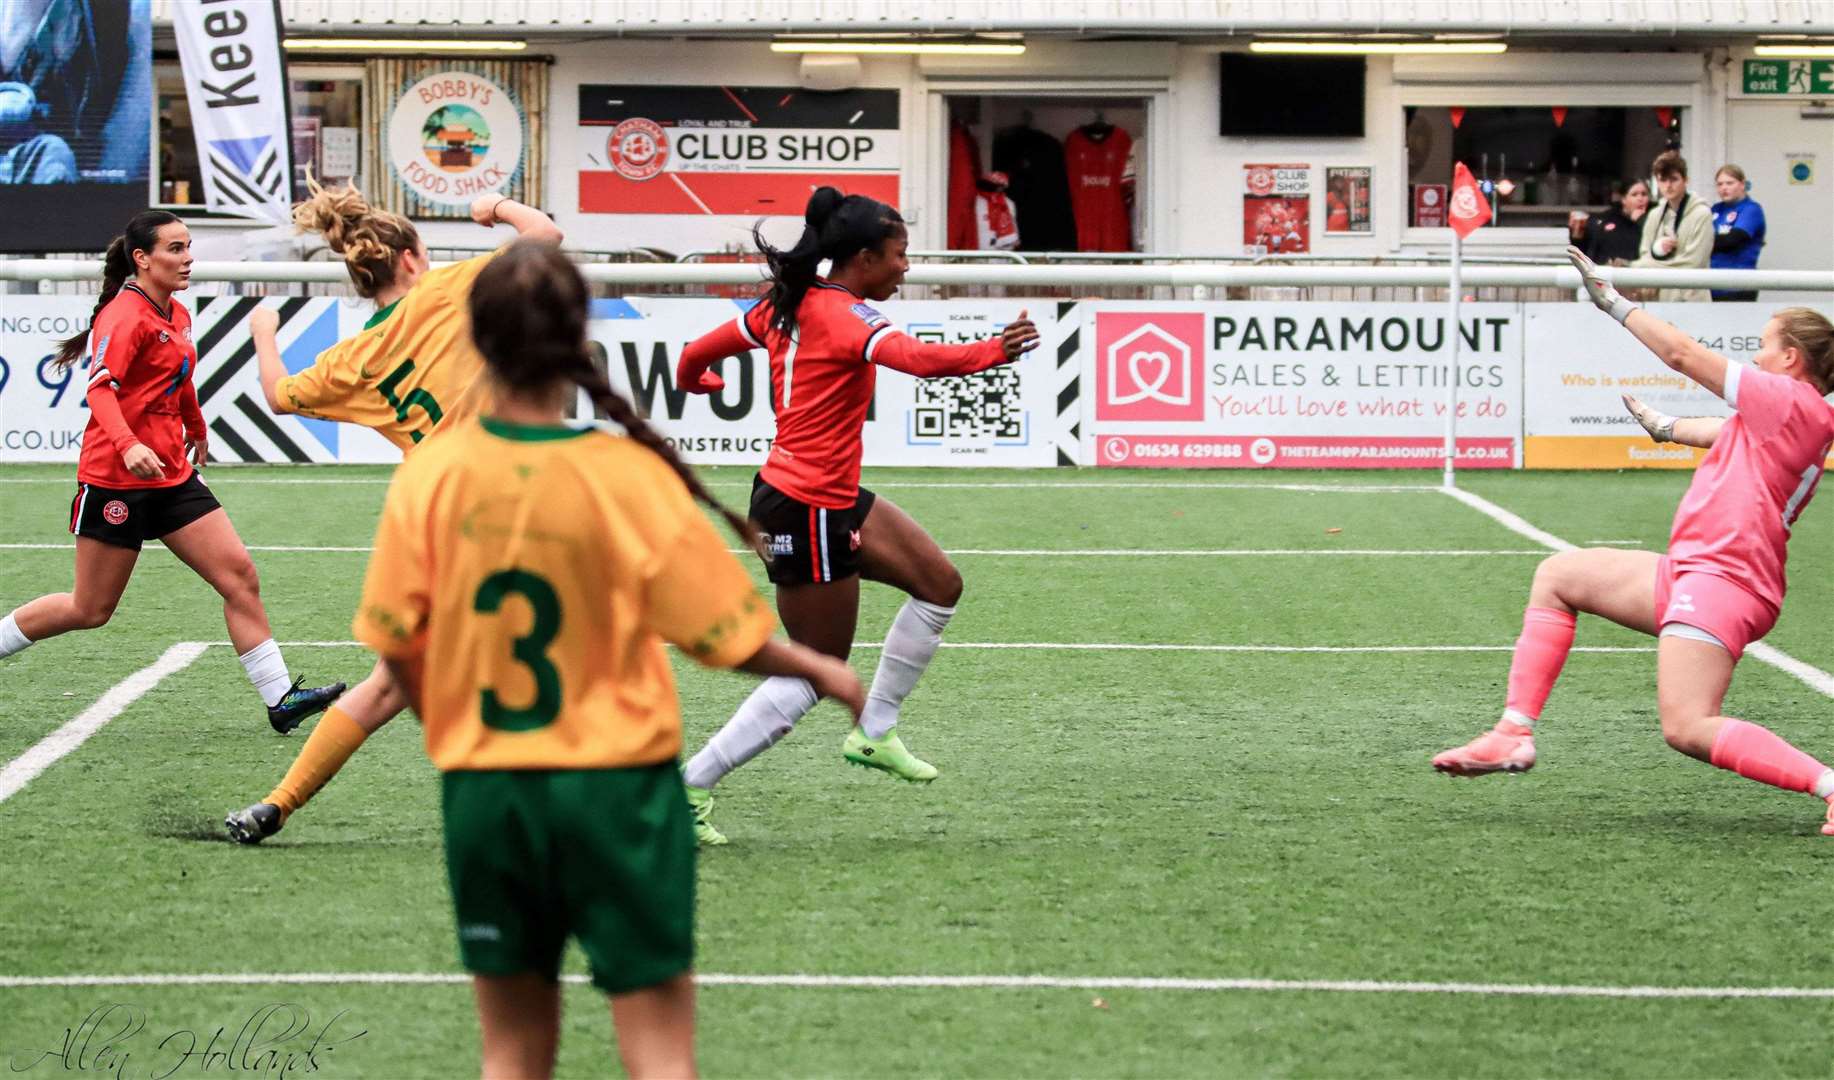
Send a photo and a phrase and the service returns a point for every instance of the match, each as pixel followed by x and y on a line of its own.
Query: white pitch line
pixel 964 982
pixel 1815 678
pixel 45 752
pixel 1018 553
pixel 1097 646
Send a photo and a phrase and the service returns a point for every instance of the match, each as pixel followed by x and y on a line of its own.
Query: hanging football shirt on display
pixel 1096 155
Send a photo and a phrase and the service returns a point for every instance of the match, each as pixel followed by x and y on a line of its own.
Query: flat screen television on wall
pixel 76 116
pixel 1297 96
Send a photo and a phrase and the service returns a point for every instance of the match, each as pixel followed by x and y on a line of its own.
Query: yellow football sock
pixel 334 738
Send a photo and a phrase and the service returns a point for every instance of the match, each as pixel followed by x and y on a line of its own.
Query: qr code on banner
pixel 985 405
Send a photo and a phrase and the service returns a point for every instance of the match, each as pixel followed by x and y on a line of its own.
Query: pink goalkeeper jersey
pixel 1735 519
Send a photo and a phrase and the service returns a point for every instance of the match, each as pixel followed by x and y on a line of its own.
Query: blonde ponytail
pixel 370 240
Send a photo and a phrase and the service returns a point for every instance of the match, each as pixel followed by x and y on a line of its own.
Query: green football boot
pixel 887 754
pixel 700 800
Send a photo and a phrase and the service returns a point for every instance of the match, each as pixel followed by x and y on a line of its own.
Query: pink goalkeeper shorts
pixel 1717 605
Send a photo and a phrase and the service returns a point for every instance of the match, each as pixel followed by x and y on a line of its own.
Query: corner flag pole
pixel 1452 374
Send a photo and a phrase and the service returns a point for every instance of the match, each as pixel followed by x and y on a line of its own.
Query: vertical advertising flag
pixel 236 82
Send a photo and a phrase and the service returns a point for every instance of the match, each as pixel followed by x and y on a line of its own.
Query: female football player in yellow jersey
pixel 411 368
pixel 526 575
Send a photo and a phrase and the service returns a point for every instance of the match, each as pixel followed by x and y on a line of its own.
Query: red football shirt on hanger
pixel 1096 161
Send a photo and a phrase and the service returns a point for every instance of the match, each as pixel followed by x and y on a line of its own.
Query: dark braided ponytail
pixel 528 317
pixel 142 234
pixel 835 227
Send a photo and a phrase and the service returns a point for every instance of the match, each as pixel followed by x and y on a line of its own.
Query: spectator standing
pixel 1738 229
pixel 1678 233
pixel 1615 237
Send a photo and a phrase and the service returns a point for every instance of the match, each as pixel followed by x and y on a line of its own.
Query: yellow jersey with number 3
pixel 536 573
pixel 410 369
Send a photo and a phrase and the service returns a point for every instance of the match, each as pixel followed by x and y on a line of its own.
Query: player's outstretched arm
pixel 1698 431
pixel 264 330
pixel 493 209
pixel 694 371
pixel 895 349
pixel 831 677
pixel 1671 346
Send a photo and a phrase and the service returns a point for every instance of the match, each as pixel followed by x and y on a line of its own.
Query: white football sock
pixel 764 717
pixel 915 636
pixel 11 640
pixel 268 671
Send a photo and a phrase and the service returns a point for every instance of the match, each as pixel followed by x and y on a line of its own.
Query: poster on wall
pixel 1347 202
pixel 1430 206
pixel 76 104
pixel 745 150
pixel 1277 209
pixel 1000 417
pixel 1262 385
pixel 455 130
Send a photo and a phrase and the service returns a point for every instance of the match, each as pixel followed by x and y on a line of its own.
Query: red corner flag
pixel 1469 210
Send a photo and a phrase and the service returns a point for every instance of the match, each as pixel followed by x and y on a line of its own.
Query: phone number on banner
pixel 1287 452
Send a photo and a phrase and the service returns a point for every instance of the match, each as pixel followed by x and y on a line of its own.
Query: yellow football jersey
pixel 412 367
pixel 537 572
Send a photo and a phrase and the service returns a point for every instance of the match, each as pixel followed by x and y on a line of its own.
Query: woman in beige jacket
pixel 1678 234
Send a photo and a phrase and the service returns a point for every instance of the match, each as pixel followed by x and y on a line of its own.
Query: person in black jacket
pixel 1612 237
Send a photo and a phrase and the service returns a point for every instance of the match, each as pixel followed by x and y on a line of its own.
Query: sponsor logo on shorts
pixel 115 512
pixel 782 544
pixel 853 540
pixel 1682 602
pixel 480 932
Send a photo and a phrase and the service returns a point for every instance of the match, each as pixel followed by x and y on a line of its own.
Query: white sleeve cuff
pixel 879 335
pixel 745 331
pixel 1730 390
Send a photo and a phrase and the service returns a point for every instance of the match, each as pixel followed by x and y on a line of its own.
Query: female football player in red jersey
pixel 822 532
pixel 1720 586
pixel 137 479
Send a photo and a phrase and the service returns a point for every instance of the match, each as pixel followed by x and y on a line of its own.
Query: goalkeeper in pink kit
pixel 1720 586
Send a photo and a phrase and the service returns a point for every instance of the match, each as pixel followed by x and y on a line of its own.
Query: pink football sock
pixel 1541 651
pixel 1756 753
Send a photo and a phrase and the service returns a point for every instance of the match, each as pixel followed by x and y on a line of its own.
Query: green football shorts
pixel 606 855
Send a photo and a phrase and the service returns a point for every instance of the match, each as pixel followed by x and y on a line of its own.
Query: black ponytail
pixel 142 234
pixel 528 318
pixel 835 227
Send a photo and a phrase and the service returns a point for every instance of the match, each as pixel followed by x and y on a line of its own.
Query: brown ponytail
pixel 528 318
pixel 141 234
pixel 625 415
pixel 371 241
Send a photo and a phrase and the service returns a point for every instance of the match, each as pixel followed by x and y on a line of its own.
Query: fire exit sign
pixel 1803 77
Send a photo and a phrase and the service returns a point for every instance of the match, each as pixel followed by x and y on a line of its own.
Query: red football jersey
pixel 821 387
pixel 145 355
pixel 1096 167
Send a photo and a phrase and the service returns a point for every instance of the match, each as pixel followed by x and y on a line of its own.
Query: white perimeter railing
pixel 1188 276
